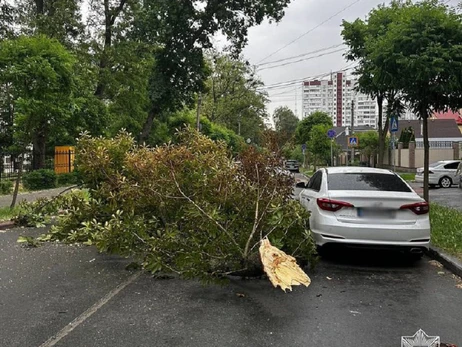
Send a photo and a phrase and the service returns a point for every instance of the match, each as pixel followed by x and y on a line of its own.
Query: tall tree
pixel 285 122
pixel 183 30
pixel 361 38
pixel 369 144
pixel 423 49
pixel 37 72
pixel 304 127
pixel 232 98
pixel 319 145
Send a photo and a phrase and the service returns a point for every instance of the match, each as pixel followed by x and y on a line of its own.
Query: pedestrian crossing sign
pixel 393 124
pixel 353 141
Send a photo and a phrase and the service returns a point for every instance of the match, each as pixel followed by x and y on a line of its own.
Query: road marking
pixel 88 313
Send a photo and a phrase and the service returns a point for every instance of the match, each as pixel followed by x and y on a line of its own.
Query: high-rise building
pixel 335 97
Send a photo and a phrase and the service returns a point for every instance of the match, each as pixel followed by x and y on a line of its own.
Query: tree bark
pixel 147 127
pixel 40 6
pixel 380 131
pixel 39 151
pixel 424 117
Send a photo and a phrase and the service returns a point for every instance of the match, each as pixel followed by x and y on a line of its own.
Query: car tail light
pixel 417 208
pixel 332 205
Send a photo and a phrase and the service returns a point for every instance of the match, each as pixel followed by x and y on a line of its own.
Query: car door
pixel 309 195
pixel 451 170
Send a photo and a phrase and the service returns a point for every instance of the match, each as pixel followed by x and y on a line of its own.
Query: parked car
pixel 441 173
pixel 292 165
pixel 370 207
pixel 459 175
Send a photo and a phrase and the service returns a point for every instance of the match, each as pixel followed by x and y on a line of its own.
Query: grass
pixel 407 176
pixel 6 213
pixel 446 224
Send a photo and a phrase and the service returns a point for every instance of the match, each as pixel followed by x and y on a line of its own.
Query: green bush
pixel 39 179
pixel 6 187
pixel 185 208
pixel 68 179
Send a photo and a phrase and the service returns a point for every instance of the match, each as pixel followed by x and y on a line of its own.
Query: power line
pixel 300 60
pixel 300 55
pixel 287 84
pixel 309 31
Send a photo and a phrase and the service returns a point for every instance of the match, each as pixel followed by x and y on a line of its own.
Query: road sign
pixel 393 124
pixel 331 133
pixel 303 146
pixel 353 141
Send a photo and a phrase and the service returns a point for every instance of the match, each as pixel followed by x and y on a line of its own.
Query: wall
pixel 436 154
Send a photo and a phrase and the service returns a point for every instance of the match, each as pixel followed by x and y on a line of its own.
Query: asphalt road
pixel 57 295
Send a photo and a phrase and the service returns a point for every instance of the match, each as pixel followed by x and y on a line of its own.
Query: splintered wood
pixel 281 268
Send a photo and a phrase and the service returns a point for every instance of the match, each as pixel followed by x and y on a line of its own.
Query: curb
pixel 449 262
pixel 6 225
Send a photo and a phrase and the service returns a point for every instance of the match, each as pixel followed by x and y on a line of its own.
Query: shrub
pixel 68 179
pixel 185 208
pixel 39 179
pixel 6 187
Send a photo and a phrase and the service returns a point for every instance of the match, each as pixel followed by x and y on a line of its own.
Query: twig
pixel 256 221
pixel 205 213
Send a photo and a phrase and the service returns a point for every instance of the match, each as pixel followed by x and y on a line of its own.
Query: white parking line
pixel 88 313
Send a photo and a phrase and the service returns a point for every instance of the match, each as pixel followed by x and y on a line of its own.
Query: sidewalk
pixel 5 200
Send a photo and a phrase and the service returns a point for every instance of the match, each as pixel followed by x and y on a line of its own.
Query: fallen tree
pixel 187 208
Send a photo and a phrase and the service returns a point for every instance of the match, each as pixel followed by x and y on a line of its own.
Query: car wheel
pixel 445 182
pixel 321 251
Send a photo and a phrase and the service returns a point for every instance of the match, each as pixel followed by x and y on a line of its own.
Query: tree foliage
pixel 185 208
pixel 368 143
pixel 184 30
pixel 231 96
pixel 36 74
pixel 285 122
pixel 304 127
pixel 423 50
pixel 319 145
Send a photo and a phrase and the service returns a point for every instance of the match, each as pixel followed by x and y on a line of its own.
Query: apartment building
pixel 335 96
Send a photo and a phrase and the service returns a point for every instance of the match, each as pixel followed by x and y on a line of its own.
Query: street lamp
pixel 347 133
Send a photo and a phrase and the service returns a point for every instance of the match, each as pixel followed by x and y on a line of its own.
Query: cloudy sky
pixel 301 17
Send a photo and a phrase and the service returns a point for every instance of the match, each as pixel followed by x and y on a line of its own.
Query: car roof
pixel 357 169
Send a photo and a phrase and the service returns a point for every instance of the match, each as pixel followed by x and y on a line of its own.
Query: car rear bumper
pixel 414 235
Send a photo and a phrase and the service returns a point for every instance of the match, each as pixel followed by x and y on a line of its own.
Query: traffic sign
pixel 353 141
pixel 303 146
pixel 331 133
pixel 393 124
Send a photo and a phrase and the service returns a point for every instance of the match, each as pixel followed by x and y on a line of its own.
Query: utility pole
pixel 198 115
pixel 352 130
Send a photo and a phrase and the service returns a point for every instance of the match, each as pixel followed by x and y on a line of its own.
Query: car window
pixel 451 166
pixel 366 181
pixel 316 183
pixel 435 164
pixel 459 168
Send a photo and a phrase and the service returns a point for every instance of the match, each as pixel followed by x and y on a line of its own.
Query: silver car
pixel 292 165
pixel 441 173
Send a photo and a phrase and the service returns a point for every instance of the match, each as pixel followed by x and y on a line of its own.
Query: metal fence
pixel 435 144
pixel 61 162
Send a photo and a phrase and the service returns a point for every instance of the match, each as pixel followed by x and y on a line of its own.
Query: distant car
pixel 370 207
pixel 441 173
pixel 292 165
pixel 459 175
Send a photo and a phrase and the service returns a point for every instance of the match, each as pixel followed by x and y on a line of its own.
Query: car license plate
pixel 375 214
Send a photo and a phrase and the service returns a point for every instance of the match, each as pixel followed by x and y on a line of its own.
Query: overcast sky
pixel 300 17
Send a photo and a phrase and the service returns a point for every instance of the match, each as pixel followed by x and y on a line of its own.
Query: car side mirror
pixel 301 184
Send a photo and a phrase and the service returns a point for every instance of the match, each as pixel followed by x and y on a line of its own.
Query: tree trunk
pixel 39 151
pixel 40 6
pixel 423 116
pixel 101 86
pixel 18 180
pixel 147 127
pixel 380 130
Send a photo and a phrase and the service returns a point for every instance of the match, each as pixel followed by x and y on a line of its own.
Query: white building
pixel 335 97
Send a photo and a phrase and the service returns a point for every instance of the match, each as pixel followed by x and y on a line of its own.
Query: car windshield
pixel 366 181
pixel 435 164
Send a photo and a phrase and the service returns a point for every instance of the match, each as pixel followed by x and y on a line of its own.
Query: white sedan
pixel 366 207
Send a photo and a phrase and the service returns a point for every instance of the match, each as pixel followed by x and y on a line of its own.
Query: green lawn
pixel 407 176
pixel 446 226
